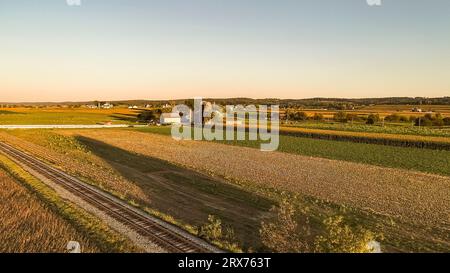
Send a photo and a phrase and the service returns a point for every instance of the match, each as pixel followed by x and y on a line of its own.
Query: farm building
pixel 107 105
pixel 170 118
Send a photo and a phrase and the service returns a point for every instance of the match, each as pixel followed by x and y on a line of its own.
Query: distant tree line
pixel 371 119
pixel 328 103
pixel 432 120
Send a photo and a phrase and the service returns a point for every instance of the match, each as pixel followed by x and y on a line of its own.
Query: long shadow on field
pixel 185 194
pixel 8 112
pixel 124 117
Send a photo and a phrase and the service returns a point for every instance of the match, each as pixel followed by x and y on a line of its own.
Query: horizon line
pixel 222 98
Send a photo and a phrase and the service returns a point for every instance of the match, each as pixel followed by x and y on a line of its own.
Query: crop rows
pixel 436 143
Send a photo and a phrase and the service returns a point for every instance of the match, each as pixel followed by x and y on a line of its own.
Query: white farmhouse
pixel 170 118
pixel 107 105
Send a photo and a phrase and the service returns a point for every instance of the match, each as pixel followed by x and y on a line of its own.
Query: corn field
pixel 436 143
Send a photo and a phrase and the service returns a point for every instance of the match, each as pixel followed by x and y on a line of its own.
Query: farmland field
pixel 31 116
pixel 444 109
pixel 151 169
pixel 426 160
pixel 29 226
pixel 385 110
pixel 152 183
pixel 403 129
pixel 403 192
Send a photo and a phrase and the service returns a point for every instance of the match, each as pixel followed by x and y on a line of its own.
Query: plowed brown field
pixel 420 197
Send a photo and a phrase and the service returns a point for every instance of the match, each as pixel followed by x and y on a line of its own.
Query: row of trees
pixel 341 116
pixel 302 116
pixel 432 120
pixel 152 115
pixel 426 120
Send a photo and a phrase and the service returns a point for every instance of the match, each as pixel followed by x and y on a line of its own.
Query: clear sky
pixel 167 49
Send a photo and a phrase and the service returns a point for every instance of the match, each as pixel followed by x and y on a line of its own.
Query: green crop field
pixel 29 116
pixel 424 160
pixel 402 129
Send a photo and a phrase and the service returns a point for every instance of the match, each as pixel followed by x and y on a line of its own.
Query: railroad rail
pixel 163 234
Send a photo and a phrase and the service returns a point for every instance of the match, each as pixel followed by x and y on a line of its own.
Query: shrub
pixel 373 118
pixel 283 233
pixel 318 117
pixel 341 238
pixel 426 120
pixel 297 116
pixel 353 117
pixel 446 121
pixel 438 122
pixel 430 120
pixel 404 119
pixel 290 231
pixel 393 118
pixel 340 116
pixel 213 232
pixel 149 115
pixel 301 116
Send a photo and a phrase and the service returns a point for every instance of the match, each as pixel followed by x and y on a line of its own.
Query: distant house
pixel 415 109
pixel 133 107
pixel 91 106
pixel 170 118
pixel 107 105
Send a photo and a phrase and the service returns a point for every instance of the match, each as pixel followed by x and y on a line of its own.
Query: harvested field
pixel 410 208
pixel 418 197
pixel 29 226
pixel 179 193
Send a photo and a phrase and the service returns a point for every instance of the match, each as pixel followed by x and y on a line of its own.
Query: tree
pixel 352 117
pixel 446 121
pixel 283 233
pixel 404 119
pixel 149 115
pixel 297 116
pixel 422 121
pixel 430 120
pixel 340 116
pixel 438 122
pixel 301 116
pixel 393 118
pixel 318 117
pixel 373 118
pixel 214 232
pixel 189 103
pixel 341 238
